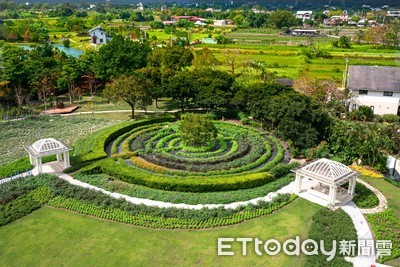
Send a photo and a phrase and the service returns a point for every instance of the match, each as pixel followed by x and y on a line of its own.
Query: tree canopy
pixel 120 56
pixel 197 130
pixel 130 89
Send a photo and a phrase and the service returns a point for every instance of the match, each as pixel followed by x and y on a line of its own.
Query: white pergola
pixel 48 147
pixel 330 174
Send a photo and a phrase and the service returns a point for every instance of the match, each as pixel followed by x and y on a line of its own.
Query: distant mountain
pixel 276 3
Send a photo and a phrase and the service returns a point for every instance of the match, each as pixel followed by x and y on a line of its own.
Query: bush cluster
pixel 330 225
pixel 91 148
pixel 31 193
pixel 119 170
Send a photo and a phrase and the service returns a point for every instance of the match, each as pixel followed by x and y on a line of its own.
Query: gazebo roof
pixel 327 171
pixel 48 146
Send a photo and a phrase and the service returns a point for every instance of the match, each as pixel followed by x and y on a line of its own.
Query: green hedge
pixel 121 171
pixel 20 166
pixel 33 192
pixel 91 148
pixel 364 197
pixel 145 220
pixel 330 225
pixel 15 167
pixel 24 205
pixel 108 183
pixel 386 226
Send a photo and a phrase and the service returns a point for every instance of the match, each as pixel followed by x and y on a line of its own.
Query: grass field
pixel 50 237
pixel 390 191
pixel 14 135
pixel 98 103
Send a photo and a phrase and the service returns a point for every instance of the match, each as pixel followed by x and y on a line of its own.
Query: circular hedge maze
pixel 235 150
pixel 154 155
pixel 234 164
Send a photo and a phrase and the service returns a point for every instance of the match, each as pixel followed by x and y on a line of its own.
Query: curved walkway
pixel 356 214
pixel 160 204
pixel 56 169
pixel 363 233
pixel 382 199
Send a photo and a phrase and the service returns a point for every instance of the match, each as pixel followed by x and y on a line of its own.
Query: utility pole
pixel 344 80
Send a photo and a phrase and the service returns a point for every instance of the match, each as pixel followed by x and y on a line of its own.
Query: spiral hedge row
pixel 151 153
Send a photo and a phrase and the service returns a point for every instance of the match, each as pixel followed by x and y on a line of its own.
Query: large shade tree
pixel 120 56
pixel 182 87
pixel 214 89
pixel 46 64
pixel 17 72
pixel 133 90
pixel 171 57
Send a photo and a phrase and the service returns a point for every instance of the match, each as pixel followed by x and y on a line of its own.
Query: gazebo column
pixel 298 183
pixel 39 164
pixel 66 160
pixel 59 157
pixel 352 186
pixel 31 159
pixel 332 195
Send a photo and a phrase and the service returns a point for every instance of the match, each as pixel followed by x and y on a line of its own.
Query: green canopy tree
pixel 368 142
pixel 171 57
pixel 204 59
pixel 214 89
pixel 120 56
pixel 130 89
pixel 155 76
pixel 283 18
pixel 46 64
pixel 17 72
pixel 197 130
pixel 181 86
pixel 70 73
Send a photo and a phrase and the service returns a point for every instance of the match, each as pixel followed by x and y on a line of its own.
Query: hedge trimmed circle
pixel 154 155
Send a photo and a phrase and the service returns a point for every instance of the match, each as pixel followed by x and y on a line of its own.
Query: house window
pixel 387 93
pixel 363 92
pixel 101 33
pixel 101 40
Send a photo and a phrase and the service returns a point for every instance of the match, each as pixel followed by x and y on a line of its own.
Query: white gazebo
pixel 321 181
pixel 48 147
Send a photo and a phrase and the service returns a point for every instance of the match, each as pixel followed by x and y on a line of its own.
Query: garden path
pixel 148 202
pixel 356 214
pixel 382 199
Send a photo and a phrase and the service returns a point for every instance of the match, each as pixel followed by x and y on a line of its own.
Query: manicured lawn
pixel 50 237
pixel 390 191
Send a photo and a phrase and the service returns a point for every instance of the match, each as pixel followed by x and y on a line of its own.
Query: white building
pixel 376 87
pixel 304 15
pixel 393 13
pixel 220 22
pixel 98 36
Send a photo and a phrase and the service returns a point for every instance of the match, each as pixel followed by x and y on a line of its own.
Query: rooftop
pixel 374 78
pixel 328 171
pixel 47 146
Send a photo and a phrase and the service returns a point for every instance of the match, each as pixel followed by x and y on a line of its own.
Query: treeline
pixel 132 72
pixel 240 3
